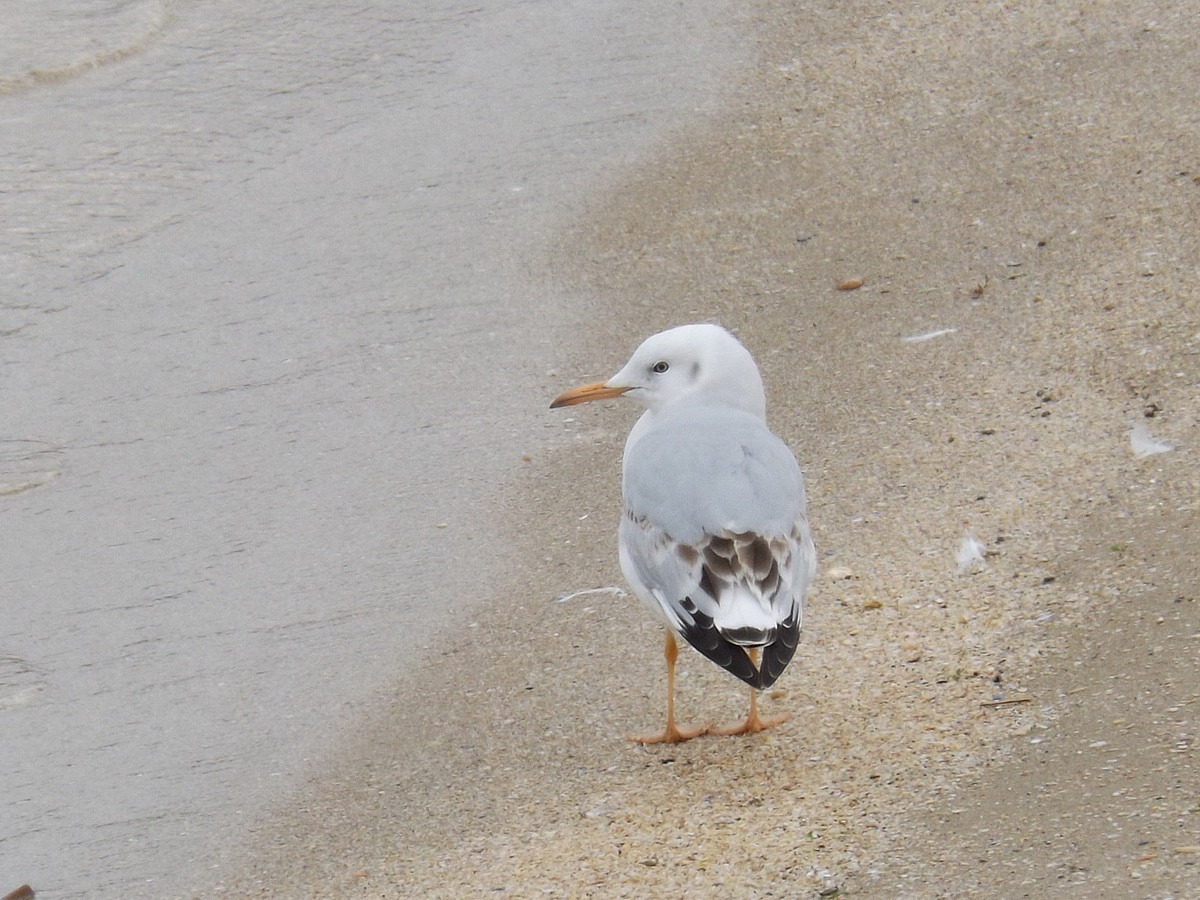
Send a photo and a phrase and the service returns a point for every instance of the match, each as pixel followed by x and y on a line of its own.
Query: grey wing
pixel 661 571
pixel 666 576
pixel 715 538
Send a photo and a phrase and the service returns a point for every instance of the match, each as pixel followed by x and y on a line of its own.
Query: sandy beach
pixel 1018 188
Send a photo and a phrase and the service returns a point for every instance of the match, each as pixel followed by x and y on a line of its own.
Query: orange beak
pixel 587 392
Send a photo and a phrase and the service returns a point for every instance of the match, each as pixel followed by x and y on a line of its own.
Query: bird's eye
pixel 659 367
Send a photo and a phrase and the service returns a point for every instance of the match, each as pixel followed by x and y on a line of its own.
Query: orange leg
pixel 672 734
pixel 754 723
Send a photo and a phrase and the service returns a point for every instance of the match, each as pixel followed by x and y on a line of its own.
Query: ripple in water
pixel 56 40
pixel 20 682
pixel 25 465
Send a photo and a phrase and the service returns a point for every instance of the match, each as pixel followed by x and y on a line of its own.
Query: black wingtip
pixel 734 659
pixel 777 655
pixel 731 657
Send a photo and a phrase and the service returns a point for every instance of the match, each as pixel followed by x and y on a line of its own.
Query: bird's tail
pixel 743 619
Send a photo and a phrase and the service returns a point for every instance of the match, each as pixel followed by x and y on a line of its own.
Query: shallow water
pixel 271 329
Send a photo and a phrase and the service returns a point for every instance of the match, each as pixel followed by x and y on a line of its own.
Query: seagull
pixel 714 535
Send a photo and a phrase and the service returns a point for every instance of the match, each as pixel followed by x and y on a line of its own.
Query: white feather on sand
pixel 970 554
pixel 928 335
pixel 1143 445
pixel 615 591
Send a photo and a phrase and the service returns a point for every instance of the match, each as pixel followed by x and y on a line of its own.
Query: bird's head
pixel 699 362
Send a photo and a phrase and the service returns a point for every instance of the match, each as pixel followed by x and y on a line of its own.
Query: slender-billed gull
pixel 714 536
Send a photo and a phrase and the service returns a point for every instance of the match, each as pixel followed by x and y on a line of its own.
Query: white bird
pixel 714 536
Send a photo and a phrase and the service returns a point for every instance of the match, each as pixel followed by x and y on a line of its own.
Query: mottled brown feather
pixel 720 566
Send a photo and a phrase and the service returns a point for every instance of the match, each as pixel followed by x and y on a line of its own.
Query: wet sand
pixel 1022 182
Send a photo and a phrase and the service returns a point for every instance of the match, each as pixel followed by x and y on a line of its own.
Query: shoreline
pixel 980 176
